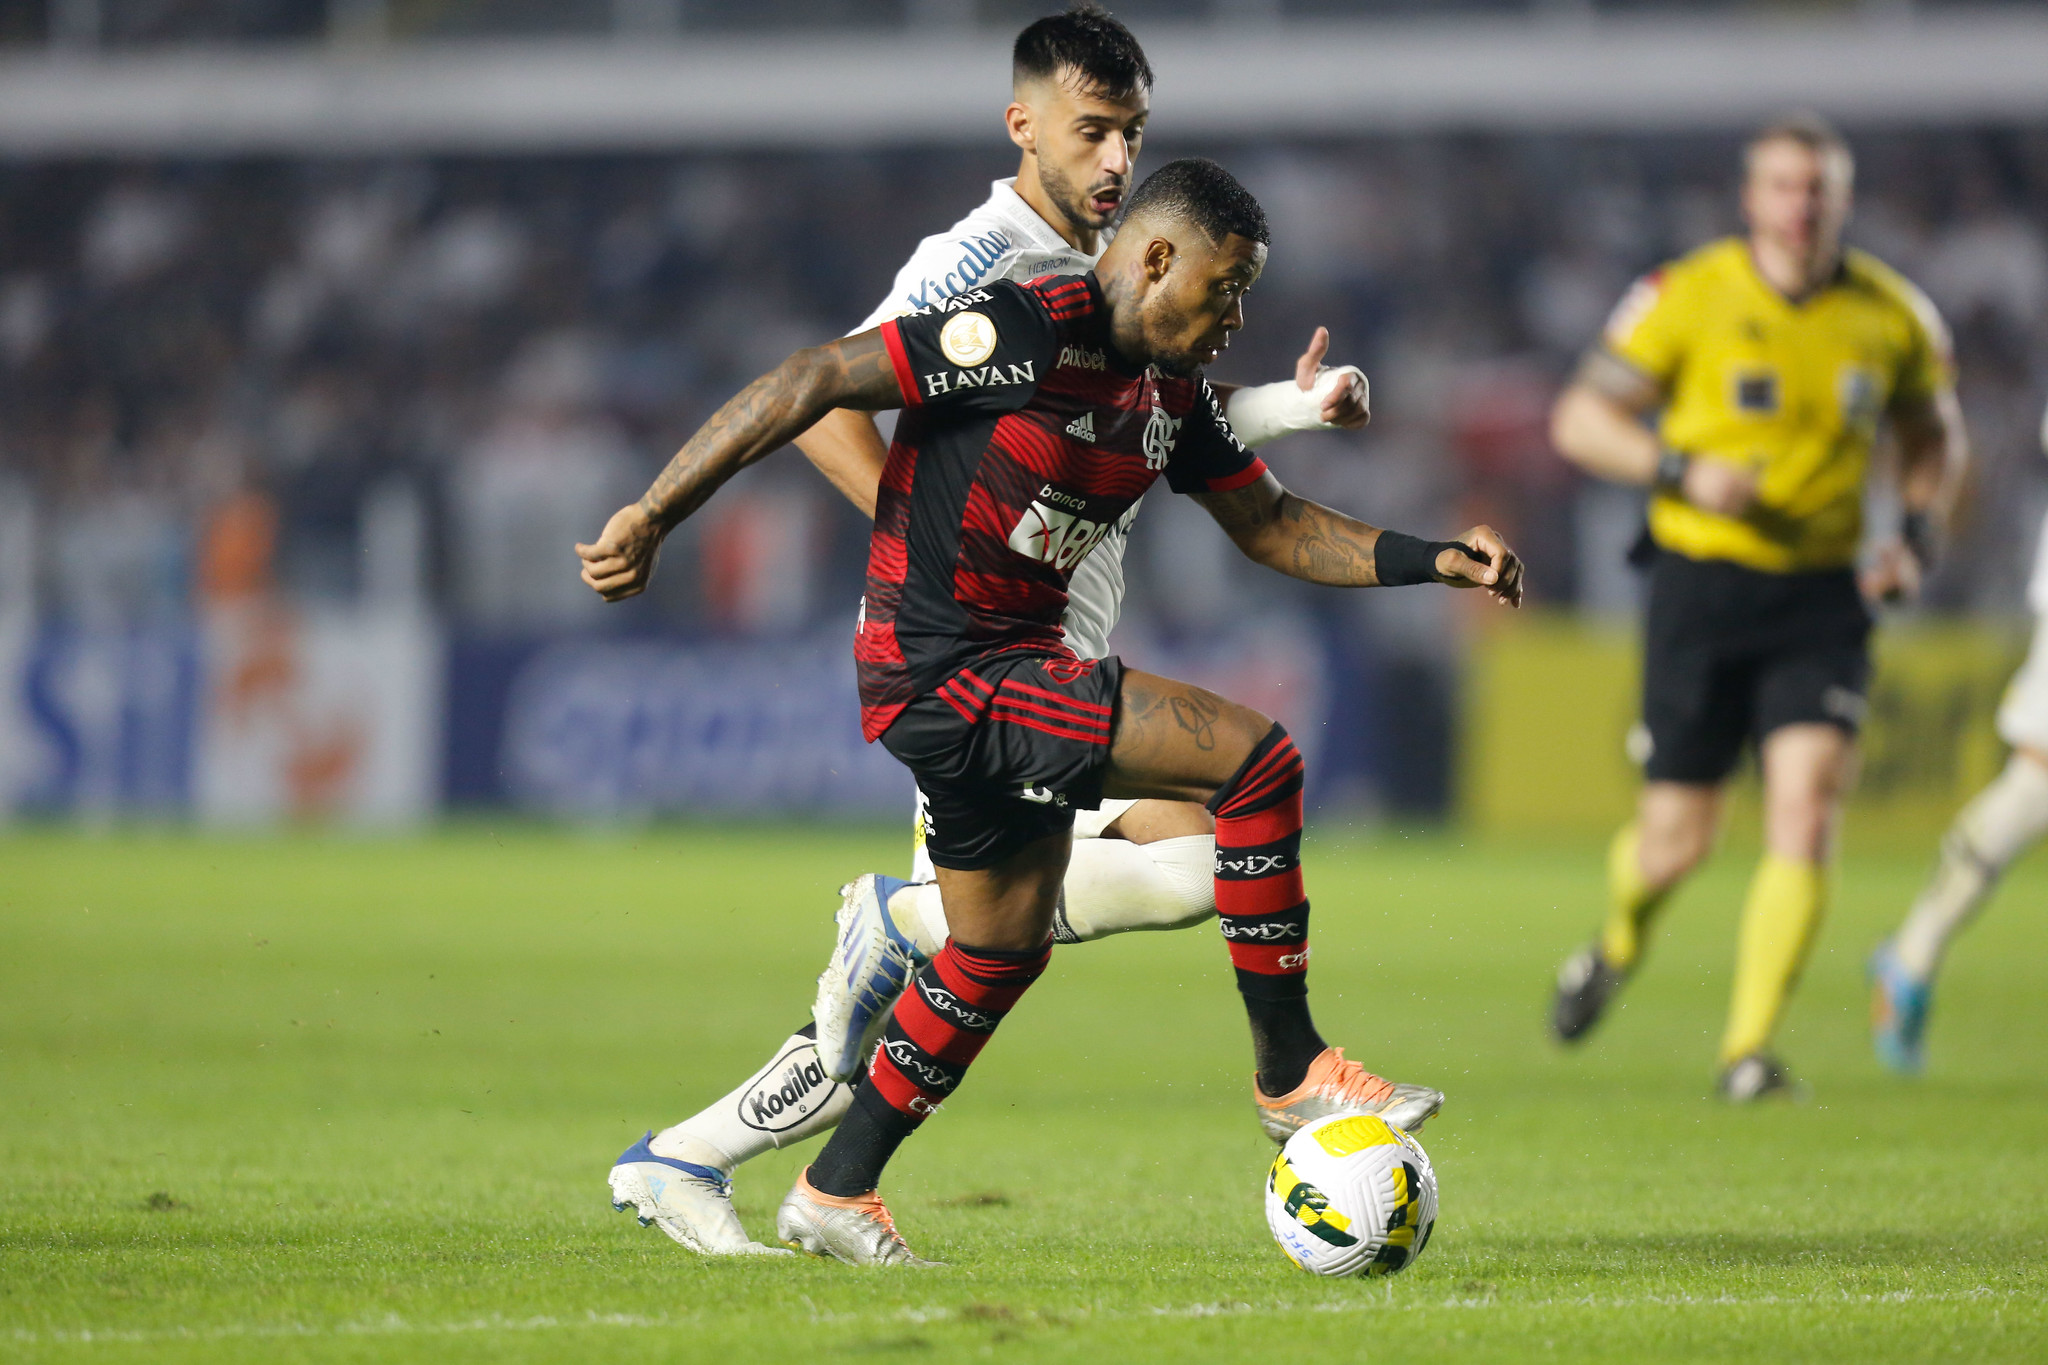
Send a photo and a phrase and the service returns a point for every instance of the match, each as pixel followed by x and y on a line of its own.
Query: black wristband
pixel 1399 561
pixel 1671 467
pixel 1917 530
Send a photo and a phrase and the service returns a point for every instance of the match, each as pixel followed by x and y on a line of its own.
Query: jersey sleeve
pixel 982 350
pixel 1928 365
pixel 1648 328
pixel 1206 456
pixel 942 267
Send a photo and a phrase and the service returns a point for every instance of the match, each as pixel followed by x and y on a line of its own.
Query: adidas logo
pixel 1082 427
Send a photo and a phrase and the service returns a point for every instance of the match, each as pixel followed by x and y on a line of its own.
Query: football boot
pixel 1756 1077
pixel 1336 1086
pixel 1898 1012
pixel 872 964
pixel 691 1203
pixel 858 1231
pixel 1585 983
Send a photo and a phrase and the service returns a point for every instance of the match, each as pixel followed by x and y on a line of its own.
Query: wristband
pixel 1262 412
pixel 1671 467
pixel 1400 561
pixel 1917 530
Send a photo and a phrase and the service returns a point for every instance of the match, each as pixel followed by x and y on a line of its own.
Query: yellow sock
pixel 1631 901
pixel 1779 921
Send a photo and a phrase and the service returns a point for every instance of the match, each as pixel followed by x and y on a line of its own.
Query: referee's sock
pixel 1779 922
pixel 1631 901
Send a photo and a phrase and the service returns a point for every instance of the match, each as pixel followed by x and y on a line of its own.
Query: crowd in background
pixel 428 379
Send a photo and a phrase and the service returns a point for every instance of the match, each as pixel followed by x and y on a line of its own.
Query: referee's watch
pixel 1671 467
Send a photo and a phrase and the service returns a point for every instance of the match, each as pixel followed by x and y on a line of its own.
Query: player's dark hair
pixel 1806 128
pixel 1196 190
pixel 1088 42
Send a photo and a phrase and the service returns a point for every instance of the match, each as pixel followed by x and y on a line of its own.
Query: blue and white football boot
pixel 1898 1013
pixel 871 967
pixel 691 1203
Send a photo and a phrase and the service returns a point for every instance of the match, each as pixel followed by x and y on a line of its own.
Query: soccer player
pixel 991 497
pixel 1081 99
pixel 1773 359
pixel 2005 820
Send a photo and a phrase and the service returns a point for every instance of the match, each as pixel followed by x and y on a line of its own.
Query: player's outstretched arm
pixel 853 372
pixel 1306 540
pixel 1319 396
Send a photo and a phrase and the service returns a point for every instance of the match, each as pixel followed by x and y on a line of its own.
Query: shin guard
pixel 1259 897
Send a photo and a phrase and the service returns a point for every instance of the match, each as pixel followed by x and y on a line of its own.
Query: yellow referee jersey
pixel 1793 391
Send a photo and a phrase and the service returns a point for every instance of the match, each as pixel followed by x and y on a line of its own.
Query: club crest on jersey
pixel 1057 535
pixel 968 338
pixel 1160 432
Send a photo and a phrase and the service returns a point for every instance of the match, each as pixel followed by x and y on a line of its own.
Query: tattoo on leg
pixel 1197 715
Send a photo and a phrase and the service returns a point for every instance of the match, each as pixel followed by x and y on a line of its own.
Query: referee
pixel 1772 361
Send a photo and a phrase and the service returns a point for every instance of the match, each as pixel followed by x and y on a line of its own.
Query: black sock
pixel 852 1161
pixel 1284 1037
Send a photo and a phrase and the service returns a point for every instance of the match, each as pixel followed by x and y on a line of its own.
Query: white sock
pixel 1114 886
pixel 2004 820
pixel 784 1102
pixel 921 917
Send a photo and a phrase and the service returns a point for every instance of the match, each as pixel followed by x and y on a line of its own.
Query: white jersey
pixel 1005 239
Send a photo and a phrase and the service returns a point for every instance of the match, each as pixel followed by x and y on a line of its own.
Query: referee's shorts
pixel 1732 653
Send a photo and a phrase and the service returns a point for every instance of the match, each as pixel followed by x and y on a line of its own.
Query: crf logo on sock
pixel 1253 864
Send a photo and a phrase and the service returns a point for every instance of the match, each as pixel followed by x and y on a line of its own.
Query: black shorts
pixel 1732 654
pixel 1006 751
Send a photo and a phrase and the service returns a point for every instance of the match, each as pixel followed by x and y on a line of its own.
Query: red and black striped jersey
pixel 1023 439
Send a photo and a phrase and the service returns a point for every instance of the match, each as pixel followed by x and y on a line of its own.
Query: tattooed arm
pixel 853 372
pixel 1311 542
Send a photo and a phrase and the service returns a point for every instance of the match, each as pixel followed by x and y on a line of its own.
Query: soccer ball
pixel 1351 1195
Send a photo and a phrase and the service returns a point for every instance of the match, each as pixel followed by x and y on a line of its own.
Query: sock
pixel 1114 886
pixel 939 1028
pixel 1263 907
pixel 1779 922
pixel 1631 901
pixel 2004 820
pixel 920 916
pixel 786 1101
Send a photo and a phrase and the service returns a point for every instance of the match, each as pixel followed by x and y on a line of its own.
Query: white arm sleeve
pixel 1264 411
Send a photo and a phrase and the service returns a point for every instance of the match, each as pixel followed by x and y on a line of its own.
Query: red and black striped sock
pixel 1263 908
pixel 940 1026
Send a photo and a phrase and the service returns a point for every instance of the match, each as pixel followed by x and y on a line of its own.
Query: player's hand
pixel 1717 486
pixel 1347 402
pixel 1892 576
pixel 622 560
pixel 1499 572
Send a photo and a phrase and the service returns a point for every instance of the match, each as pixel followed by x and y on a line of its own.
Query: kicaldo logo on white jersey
pixel 1054 531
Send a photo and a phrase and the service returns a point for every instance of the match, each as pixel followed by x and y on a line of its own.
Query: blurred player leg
pixel 1673 830
pixel 2006 818
pixel 1807 769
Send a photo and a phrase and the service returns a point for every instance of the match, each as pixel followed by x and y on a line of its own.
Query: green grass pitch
pixel 323 1100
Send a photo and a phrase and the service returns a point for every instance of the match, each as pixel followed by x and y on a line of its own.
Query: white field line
pixel 397 1326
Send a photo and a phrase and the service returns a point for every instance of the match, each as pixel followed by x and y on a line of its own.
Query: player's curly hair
pixel 1085 40
pixel 1196 190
